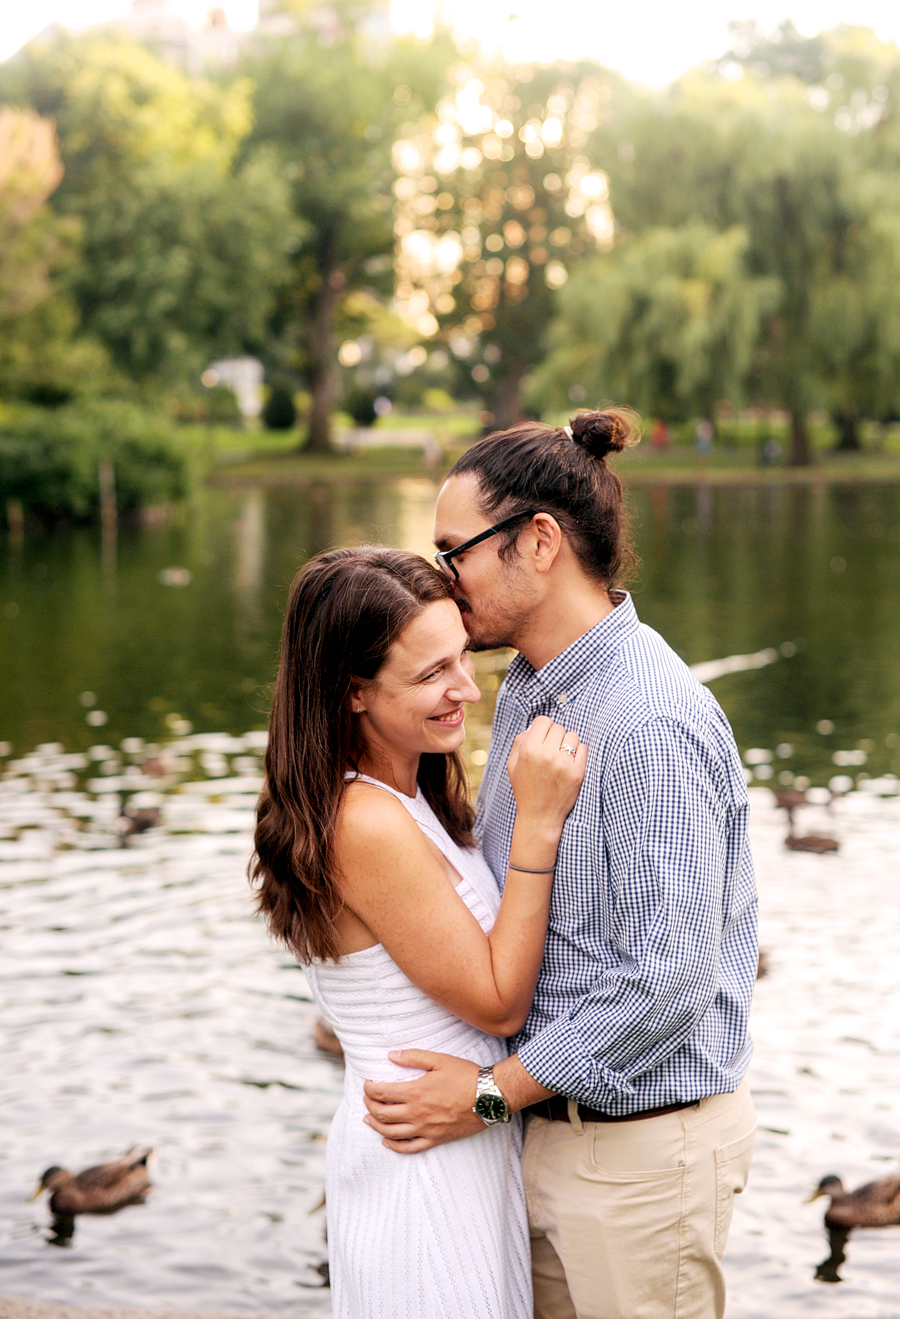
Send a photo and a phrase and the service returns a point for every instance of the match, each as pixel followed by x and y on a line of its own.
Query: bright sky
pixel 651 41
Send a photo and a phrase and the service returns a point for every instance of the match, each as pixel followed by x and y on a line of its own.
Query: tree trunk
pixel 848 433
pixel 800 452
pixel 321 371
pixel 504 399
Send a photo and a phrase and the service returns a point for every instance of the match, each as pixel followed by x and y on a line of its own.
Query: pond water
pixel 141 1004
pixel 813 572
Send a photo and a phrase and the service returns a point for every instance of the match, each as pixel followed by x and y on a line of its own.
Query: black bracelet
pixel 525 870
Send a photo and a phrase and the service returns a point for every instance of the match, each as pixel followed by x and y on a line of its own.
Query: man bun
pixel 608 431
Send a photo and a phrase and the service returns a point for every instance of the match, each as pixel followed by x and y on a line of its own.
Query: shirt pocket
pixel 732 1171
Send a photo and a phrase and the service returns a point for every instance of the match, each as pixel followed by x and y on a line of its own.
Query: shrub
pixel 279 413
pixel 359 403
pixel 49 459
pixel 215 406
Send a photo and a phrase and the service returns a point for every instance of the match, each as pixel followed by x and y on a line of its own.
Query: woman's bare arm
pixel 393 883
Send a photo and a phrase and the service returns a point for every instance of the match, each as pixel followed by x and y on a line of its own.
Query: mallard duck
pixel 818 843
pixel 132 822
pixel 877 1204
pixel 789 800
pixel 97 1190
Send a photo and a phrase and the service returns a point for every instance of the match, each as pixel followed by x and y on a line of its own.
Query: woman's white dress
pixel 437 1235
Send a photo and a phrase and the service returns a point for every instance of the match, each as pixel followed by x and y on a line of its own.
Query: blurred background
pixel 265 271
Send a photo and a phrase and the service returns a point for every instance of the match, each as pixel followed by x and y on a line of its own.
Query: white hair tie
pixel 568 430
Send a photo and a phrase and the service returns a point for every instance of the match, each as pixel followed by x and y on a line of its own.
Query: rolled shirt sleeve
pixel 673 844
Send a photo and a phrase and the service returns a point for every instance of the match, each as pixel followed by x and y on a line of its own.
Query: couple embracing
pixel 543 1006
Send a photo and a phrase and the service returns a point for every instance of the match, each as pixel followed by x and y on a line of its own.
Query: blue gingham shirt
pixel 644 994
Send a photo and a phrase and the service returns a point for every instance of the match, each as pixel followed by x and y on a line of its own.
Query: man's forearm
pixel 518 1086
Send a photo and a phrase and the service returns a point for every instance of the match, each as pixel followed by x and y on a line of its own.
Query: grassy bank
pixel 675 466
pixel 54 463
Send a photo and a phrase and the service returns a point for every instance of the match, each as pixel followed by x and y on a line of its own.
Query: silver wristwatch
pixel 489 1104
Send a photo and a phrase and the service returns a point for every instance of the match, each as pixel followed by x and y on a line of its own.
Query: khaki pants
pixel 629 1219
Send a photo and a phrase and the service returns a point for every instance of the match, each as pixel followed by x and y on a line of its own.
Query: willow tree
pixel 856 314
pixel 668 322
pixel 782 158
pixel 496 200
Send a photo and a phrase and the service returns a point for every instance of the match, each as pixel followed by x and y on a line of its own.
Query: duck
pixel 790 800
pixel 817 843
pixel 133 821
pixel 97 1190
pixel 877 1204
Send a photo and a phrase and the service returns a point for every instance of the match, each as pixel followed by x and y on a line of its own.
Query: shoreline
pixel 638 472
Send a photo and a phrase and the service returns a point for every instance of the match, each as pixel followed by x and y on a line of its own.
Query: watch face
pixel 492 1108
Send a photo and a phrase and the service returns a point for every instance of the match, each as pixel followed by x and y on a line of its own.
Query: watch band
pixel 490 1103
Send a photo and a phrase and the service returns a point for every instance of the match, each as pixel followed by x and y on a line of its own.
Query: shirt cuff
pixel 560 1060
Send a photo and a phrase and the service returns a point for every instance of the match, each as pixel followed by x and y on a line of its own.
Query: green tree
pixel 855 322
pixel 496 200
pixel 181 244
pixel 39 357
pixel 781 156
pixel 669 322
pixel 329 105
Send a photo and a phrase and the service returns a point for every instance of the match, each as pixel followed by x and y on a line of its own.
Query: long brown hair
pixel 563 471
pixel 346 609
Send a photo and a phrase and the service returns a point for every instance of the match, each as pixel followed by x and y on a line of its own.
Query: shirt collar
pixel 586 657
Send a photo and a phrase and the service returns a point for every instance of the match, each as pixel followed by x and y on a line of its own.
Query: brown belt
pixel 556 1109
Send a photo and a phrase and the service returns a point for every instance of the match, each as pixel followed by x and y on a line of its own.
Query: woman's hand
pixel 545 778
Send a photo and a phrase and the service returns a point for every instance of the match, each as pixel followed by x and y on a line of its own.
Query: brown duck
pixel 100 1189
pixel 877 1204
pixel 790 800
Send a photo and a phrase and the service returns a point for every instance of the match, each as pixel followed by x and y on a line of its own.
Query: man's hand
pixel 431 1110
pixel 436 1108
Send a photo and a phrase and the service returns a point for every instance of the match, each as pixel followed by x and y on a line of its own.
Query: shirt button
pixel 561 698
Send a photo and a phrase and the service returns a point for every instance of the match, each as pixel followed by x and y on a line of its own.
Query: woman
pixel 367 870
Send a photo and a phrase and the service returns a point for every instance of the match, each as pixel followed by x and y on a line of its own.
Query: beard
pixel 499 622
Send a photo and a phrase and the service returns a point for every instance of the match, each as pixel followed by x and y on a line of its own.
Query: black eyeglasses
pixel 444 558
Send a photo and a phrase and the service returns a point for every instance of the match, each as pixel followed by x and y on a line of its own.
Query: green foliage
pixel 786 162
pixel 181 247
pixel 39 355
pixel 784 51
pixel 855 315
pixel 359 403
pixel 49 459
pixel 732 238
pixel 279 413
pixel 668 323
pixel 329 112
pixel 496 202
pixel 222 406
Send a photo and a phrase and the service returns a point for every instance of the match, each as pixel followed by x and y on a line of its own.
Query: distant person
pixel 368 871
pixel 632 1062
pixel 659 435
pixel 704 435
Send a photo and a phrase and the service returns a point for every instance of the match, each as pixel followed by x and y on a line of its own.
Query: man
pixel 632 1063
